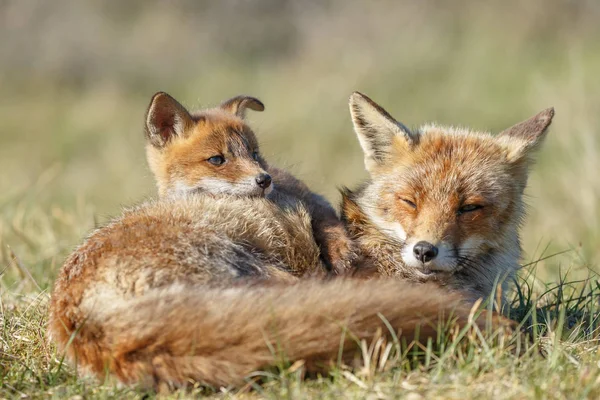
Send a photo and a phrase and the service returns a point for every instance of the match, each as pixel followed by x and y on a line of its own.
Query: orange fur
pixel 456 191
pixel 180 335
pixel 205 288
pixel 180 145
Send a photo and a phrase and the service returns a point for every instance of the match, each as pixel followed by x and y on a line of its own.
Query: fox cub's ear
pixel 527 135
pixel 377 130
pixel 239 104
pixel 165 119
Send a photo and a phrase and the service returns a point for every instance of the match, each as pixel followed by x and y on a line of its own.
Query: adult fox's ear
pixel 238 105
pixel 377 130
pixel 165 119
pixel 528 135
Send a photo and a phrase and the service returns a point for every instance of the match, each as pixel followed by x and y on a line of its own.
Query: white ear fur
pixel 376 129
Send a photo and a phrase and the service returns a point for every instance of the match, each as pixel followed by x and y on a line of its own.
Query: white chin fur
pixel 246 187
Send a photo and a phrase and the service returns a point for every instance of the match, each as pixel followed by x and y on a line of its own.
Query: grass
pixel 76 78
pixel 561 360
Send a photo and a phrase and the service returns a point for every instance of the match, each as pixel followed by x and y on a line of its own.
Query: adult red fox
pixel 442 204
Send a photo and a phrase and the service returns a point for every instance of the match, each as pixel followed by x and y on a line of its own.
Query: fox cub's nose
pixel 263 180
pixel 425 251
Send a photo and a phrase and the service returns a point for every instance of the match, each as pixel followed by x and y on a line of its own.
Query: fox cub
pixel 442 204
pixel 214 151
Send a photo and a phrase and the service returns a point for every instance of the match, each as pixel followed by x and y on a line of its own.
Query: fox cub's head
pixel 211 151
pixel 447 196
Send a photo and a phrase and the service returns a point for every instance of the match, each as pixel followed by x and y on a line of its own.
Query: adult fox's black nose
pixel 263 180
pixel 425 251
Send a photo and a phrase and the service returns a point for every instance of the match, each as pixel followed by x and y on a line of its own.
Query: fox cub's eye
pixel 255 156
pixel 216 160
pixel 410 203
pixel 469 207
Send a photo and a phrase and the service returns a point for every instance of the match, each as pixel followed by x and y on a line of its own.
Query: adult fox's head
pixel 211 151
pixel 448 199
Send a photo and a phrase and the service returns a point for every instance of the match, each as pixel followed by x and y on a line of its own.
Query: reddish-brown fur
pixel 187 334
pixel 181 143
pixel 184 160
pixel 459 190
pixel 204 288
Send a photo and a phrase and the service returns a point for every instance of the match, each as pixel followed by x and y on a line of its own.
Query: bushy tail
pixel 219 336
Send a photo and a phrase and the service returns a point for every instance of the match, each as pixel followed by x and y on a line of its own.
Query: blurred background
pixel 76 77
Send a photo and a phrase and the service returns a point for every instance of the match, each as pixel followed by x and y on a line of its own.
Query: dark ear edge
pixel 239 104
pixel 165 119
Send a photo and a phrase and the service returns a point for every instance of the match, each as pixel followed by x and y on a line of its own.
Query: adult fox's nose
pixel 425 251
pixel 263 180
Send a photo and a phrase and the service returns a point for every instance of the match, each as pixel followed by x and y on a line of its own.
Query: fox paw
pixel 339 253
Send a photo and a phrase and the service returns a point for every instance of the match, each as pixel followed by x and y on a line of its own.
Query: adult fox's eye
pixel 216 160
pixel 410 203
pixel 469 208
pixel 255 156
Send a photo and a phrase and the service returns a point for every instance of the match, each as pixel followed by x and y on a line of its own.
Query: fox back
pixel 443 204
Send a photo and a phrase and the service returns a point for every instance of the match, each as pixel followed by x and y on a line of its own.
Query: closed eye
pixel 410 203
pixel 216 160
pixel 469 208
